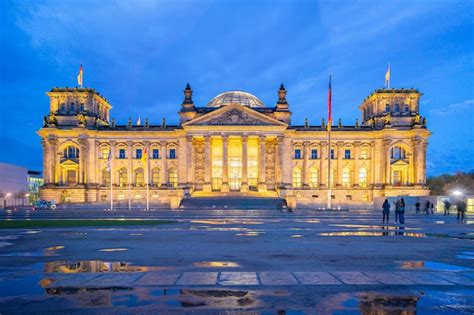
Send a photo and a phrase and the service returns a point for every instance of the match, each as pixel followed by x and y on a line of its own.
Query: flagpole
pixel 111 192
pixel 329 145
pixel 147 183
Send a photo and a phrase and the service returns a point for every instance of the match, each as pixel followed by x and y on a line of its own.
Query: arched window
pixel 104 152
pixel 406 108
pixel 123 178
pixel 396 108
pixel 398 153
pixel 362 177
pixel 296 177
pixel 81 107
pixel 139 177
pixel 313 177
pixel 155 177
pixel 387 108
pixel 173 177
pixel 71 152
pixel 346 177
pixel 105 177
pixel 73 108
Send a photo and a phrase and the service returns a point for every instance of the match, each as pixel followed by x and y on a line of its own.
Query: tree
pixel 445 184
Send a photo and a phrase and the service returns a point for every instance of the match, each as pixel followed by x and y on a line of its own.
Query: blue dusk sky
pixel 140 54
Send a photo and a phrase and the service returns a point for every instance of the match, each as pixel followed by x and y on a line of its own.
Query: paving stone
pixel 389 278
pixel 354 278
pixel 114 279
pixel 316 278
pixel 456 277
pixel 425 278
pixel 69 280
pixel 158 278
pixel 238 278
pixel 277 278
pixel 198 278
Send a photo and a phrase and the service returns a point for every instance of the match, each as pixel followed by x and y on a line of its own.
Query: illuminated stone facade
pixel 234 143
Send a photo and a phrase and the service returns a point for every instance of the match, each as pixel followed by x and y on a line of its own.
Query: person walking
pixel 417 207
pixel 427 207
pixel 461 208
pixel 432 208
pixel 397 210
pixel 385 211
pixel 447 205
pixel 401 215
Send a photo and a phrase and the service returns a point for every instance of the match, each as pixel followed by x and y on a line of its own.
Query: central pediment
pixel 234 115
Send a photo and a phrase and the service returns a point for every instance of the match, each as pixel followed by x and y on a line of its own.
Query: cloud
pixel 453 108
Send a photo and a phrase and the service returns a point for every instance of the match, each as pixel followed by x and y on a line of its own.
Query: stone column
pixel 323 165
pixel 306 146
pixel 146 167
pixel 386 154
pixel 286 163
pixel 130 163
pixel 183 163
pixel 245 185
pixel 190 158
pixel 262 186
pixel 225 164
pixel 355 178
pixel 422 166
pixel 340 155
pixel 47 169
pixel 82 161
pixel 164 164
pixel 278 160
pixel 91 162
pixel 377 160
pixel 113 171
pixel 207 187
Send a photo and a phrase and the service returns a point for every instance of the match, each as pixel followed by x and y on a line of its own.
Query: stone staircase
pixel 233 203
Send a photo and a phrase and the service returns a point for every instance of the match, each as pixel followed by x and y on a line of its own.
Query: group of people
pixel 399 211
pixel 429 209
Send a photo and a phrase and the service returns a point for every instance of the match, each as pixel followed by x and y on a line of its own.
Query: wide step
pixel 233 203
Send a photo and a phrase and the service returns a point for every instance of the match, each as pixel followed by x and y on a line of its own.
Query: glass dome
pixel 235 97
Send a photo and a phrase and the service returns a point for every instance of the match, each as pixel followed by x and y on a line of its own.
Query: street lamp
pixel 6 199
pixel 457 193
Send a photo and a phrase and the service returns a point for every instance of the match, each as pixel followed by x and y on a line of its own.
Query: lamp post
pixel 6 199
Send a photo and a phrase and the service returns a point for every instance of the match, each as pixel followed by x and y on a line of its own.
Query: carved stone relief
pixel 199 161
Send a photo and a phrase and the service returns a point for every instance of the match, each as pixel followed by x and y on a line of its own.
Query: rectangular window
pixel 121 153
pixel 347 154
pixel 364 154
pixel 105 153
pixel 314 154
pixel 172 153
pixel 155 154
pixel 138 154
pixel 297 154
pixel 332 154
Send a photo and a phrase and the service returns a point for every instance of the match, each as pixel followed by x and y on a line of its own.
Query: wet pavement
pixel 241 262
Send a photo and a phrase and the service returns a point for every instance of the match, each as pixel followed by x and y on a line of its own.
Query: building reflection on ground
pixel 95 266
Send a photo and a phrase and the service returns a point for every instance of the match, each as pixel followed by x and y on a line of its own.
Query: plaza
pixel 239 261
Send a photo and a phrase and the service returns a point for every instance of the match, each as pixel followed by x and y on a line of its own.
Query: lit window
pixel 364 154
pixel 173 177
pixel 121 153
pixel 297 177
pixel 313 177
pixel 398 153
pixel 155 177
pixel 123 177
pixel 105 177
pixel 297 154
pixel 155 153
pixel 105 153
pixel 346 177
pixel 314 154
pixel 347 154
pixel 139 177
pixel 172 153
pixel 138 154
pixel 362 177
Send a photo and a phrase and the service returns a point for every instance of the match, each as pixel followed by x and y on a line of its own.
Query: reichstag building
pixel 235 144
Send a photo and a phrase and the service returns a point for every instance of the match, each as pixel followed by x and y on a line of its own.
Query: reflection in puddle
pixel 373 227
pixel 85 266
pixel 431 265
pixel 113 250
pixel 309 221
pixel 250 233
pixel 32 232
pixel 370 233
pixel 3 244
pixel 386 304
pixel 465 255
pixel 9 237
pixel 216 264
pixel 230 221
pixel 54 248
pixel 296 236
pixel 136 234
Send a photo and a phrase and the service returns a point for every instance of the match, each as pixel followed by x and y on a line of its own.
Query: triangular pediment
pixel 69 162
pixel 400 162
pixel 234 115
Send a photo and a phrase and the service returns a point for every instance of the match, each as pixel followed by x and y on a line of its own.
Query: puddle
pixel 386 304
pixel 113 250
pixel 465 255
pixel 4 244
pixel 212 264
pixel 37 253
pixel 222 222
pixel 249 234
pixel 85 266
pixel 374 227
pixel 32 232
pixel 430 265
pixel 9 237
pixel 370 233
pixel 309 221
pixel 296 236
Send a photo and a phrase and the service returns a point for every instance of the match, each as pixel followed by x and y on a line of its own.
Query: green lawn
pixel 22 224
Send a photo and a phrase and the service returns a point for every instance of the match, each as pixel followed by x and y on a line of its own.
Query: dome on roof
pixel 235 97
